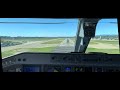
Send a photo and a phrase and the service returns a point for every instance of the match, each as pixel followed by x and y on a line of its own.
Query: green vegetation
pixel 17 41
pixel 106 36
pixel 9 43
pixel 15 51
pixel 26 38
pixel 73 39
pixel 109 51
pixel 104 41
pixel 53 42
pixel 93 42
pixel 7 53
pixel 46 49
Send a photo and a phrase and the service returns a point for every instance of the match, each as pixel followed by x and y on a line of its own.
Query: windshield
pixel 53 35
pixel 106 37
pixel 37 35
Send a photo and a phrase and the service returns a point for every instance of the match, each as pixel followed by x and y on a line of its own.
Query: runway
pixel 67 45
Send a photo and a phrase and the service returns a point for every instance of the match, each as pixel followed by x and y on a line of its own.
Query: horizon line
pixel 56 36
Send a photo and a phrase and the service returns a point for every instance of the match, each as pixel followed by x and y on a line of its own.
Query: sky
pixel 51 30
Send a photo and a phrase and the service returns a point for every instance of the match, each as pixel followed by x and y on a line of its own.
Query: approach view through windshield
pixel 53 35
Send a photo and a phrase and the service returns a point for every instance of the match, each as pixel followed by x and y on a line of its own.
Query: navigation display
pixel 31 69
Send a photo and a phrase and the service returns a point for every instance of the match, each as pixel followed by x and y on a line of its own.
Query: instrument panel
pixel 62 62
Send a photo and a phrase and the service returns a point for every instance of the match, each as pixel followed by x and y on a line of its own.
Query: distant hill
pixel 33 37
pixel 106 36
pixel 96 37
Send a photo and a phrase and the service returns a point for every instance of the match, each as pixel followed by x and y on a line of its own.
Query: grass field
pixel 110 47
pixel 45 46
pixel 19 50
pixel 24 40
pixel 109 51
pixel 105 42
pixel 54 42
pixel 73 39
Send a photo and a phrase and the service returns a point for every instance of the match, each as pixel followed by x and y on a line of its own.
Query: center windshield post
pixel 86 30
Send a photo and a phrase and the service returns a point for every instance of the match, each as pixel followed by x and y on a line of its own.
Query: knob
pixel 53 58
pixel 64 58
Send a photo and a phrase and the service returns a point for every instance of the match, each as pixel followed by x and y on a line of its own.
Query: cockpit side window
pixel 106 37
